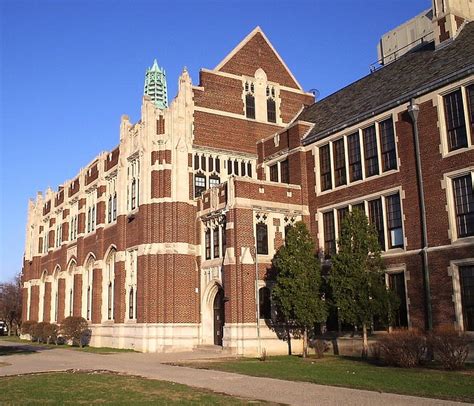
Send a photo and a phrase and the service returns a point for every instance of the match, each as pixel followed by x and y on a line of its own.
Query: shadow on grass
pixel 13 350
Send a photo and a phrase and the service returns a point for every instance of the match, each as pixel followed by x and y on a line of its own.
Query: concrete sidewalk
pixel 152 366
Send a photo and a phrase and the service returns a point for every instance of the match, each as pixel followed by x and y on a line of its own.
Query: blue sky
pixel 70 69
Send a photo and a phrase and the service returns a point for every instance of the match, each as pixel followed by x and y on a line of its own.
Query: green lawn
pixel 88 388
pixel 355 373
pixel 14 339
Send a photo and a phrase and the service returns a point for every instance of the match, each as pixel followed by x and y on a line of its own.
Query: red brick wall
pixel 97 296
pixel 47 302
pixel 61 299
pixel 255 54
pixel 77 306
pixel 34 303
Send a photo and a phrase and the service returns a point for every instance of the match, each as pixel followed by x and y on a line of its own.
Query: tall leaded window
pixel 339 162
pixel 133 187
pixel 110 269
pixel 370 151
pixel 355 165
pixel 91 201
pixel 284 172
pixel 387 145
pixel 207 240
pixel 264 303
pixel 215 240
pixel 329 234
pixel 455 121
pixel 271 110
pixel 466 279
pixel 464 205
pixel 376 219
pixel 73 221
pixel 112 200
pixel 325 167
pixel 262 239
pixel 274 173
pixel 199 184
pixel 89 286
pixel 341 215
pixel 394 221
pixel 131 283
pixel 249 100
pixel 470 104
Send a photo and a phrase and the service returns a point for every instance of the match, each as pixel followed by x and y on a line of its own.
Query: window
pixel 394 221
pixel 131 297
pixel 387 140
pixel 470 104
pixel 236 167
pixel 110 275
pixel 215 238
pixel 466 279
pixel 91 200
pixel 199 184
pixel 396 283
pixel 131 283
pixel 112 200
pixel 73 221
pixel 339 163
pixel 359 206
pixel 271 110
pixel 341 215
pixel 229 166
pixel 207 238
pixel 58 235
pixel 262 239
pixel 284 173
pixel 355 166
pixel 223 238
pixel 133 187
pixel 89 285
pixel 455 122
pixel 250 105
pixel 464 205
pixel 376 219
pixel 274 173
pixel 211 164
pixel 242 168
pixel 329 234
pixel 218 164
pixel 370 151
pixel 264 304
pixel 325 167
pixel 249 169
pixel 214 181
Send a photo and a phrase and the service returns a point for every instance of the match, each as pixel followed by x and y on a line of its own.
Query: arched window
pixel 131 283
pixel 70 289
pixel 108 286
pixel 262 239
pixel 89 286
pixel 55 295
pixel 264 303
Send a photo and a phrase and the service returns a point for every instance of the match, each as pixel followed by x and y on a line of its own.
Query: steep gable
pixel 254 52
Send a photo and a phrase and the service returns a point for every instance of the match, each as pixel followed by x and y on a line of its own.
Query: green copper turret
pixel 155 85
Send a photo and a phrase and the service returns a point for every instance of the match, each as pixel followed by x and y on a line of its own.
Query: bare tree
pixel 10 303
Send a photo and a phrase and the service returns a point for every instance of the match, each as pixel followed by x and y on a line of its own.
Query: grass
pixel 31 347
pixel 104 388
pixel 355 373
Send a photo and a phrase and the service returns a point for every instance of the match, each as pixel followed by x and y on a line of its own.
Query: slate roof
pixel 415 73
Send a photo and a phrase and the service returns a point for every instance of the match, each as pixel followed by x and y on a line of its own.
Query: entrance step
pixel 214 349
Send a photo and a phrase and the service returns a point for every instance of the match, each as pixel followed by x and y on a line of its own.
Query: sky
pixel 70 69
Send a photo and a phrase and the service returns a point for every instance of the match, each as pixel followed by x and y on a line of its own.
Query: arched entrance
pixel 219 317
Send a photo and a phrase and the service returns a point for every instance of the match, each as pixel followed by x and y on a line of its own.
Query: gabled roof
pixel 414 74
pixel 240 48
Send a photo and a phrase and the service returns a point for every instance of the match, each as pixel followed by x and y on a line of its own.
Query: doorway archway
pixel 219 317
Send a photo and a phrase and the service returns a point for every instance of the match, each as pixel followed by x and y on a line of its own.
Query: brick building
pixel 166 242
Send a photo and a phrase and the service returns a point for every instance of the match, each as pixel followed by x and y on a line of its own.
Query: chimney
pixel 448 17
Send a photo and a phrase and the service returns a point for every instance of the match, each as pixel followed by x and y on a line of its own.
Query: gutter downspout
pixel 413 111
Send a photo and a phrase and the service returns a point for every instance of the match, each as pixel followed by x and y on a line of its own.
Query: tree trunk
pixel 288 336
pixel 365 343
pixel 305 342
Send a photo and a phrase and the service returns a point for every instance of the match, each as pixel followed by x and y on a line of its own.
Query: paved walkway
pixel 152 366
